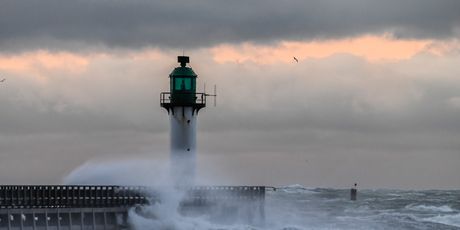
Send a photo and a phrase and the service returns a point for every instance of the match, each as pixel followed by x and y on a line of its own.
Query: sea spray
pixel 124 172
pixel 155 174
pixel 160 213
pixel 165 215
pixel 165 210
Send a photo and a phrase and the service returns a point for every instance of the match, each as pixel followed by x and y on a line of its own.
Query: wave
pixel 297 188
pixel 294 186
pixel 452 220
pixel 430 208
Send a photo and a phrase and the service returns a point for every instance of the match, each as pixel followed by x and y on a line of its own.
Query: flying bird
pixel 295 59
pixel 4 79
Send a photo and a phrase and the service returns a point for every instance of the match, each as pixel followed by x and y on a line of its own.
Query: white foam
pixel 452 220
pixel 429 208
pixel 294 186
pixel 162 215
pixel 297 188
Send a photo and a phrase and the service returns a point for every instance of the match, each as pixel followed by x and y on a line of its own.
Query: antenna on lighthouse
pixel 215 95
pixel 211 95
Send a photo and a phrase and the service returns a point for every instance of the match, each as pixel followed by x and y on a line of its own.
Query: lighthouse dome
pixel 183 72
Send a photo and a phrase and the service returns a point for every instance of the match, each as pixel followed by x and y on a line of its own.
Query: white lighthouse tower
pixel 183 103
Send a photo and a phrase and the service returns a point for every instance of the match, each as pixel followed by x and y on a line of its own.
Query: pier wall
pixel 64 219
pixel 106 207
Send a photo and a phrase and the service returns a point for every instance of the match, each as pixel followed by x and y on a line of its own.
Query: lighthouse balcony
pixel 170 100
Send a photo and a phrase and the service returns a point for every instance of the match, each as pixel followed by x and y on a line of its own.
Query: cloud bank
pixel 79 24
pixel 320 122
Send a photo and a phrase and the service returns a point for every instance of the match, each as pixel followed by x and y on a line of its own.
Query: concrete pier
pixel 64 218
pixel 106 207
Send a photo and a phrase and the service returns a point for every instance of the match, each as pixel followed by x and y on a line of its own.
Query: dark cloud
pixel 55 24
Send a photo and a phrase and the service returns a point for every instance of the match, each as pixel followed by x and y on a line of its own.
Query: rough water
pixel 289 208
pixel 296 207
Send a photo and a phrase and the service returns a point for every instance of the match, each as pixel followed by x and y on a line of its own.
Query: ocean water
pixel 296 207
pixel 291 207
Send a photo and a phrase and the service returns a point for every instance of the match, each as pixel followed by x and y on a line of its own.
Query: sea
pixel 292 207
pixel 296 207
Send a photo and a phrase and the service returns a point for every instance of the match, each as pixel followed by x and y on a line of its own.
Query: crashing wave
pixel 429 208
pixel 452 220
pixel 296 188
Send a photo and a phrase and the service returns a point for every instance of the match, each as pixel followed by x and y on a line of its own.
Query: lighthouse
pixel 183 103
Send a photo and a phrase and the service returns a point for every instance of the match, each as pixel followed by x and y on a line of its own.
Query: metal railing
pixel 70 196
pixel 166 98
pixel 86 196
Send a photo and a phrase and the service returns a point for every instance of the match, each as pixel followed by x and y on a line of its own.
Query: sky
pixel 374 97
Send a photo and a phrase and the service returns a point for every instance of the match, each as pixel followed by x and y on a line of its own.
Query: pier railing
pixel 70 196
pixel 94 196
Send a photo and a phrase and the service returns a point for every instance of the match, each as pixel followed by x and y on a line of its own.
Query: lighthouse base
pixel 183 146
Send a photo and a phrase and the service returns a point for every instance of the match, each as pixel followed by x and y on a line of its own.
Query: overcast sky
pixel 373 99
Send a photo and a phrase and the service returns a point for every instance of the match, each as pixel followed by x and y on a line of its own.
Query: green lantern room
pixel 183 88
pixel 183 83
